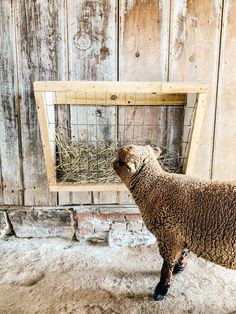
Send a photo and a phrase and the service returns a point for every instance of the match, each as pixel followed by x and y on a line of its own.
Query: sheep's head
pixel 131 158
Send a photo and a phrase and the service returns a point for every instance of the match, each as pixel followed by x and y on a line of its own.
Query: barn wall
pixel 163 40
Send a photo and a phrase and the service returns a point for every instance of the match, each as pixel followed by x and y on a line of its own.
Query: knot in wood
pixel 113 97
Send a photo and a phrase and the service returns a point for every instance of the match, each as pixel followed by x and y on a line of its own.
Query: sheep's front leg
pixel 170 252
pixel 165 281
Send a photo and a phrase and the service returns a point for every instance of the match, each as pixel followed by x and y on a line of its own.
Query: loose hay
pixel 91 162
pixel 84 161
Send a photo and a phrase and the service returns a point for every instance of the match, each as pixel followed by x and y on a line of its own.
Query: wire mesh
pixel 87 128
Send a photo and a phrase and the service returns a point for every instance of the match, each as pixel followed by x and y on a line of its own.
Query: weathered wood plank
pixel 224 159
pixel 1 184
pixel 143 54
pixel 143 40
pixel 11 190
pixel 40 53
pixel 194 51
pixel 92 55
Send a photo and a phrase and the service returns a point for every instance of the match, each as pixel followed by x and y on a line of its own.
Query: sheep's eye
pixel 121 163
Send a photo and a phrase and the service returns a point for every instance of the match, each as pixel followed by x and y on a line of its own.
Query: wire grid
pixel 85 137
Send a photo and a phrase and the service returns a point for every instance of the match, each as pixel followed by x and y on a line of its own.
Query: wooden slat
pixel 45 136
pixel 189 114
pixel 96 86
pixel 182 87
pixel 40 54
pixel 194 51
pixel 88 187
pixel 120 86
pixel 11 189
pixel 92 37
pixel 118 99
pixel 193 162
pixel 224 161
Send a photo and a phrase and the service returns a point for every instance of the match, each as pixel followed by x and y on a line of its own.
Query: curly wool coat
pixel 181 211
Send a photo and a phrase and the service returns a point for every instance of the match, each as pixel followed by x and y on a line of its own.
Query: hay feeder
pixel 84 123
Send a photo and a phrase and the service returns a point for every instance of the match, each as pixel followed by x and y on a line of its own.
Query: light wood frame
pixel 159 94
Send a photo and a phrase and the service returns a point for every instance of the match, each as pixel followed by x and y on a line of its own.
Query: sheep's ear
pixel 157 151
pixel 131 166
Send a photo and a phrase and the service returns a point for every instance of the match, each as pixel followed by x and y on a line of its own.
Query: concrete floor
pixel 56 276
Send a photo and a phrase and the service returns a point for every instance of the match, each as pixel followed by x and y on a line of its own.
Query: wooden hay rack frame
pixel 84 94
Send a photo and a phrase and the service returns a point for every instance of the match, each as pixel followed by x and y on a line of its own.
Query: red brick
pixel 101 216
pixel 117 217
pixel 133 217
pixel 121 226
pixel 84 217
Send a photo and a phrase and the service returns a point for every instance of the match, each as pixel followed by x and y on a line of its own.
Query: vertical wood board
pixel 92 55
pixel 224 161
pixel 11 191
pixel 194 50
pixel 40 53
pixel 143 55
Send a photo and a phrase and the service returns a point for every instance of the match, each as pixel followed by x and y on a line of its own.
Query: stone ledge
pixel 41 223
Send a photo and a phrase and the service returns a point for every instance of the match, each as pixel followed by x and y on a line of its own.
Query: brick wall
pixel 96 224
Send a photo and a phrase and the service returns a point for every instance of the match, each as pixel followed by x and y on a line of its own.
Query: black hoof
pixel 158 297
pixel 178 269
pixel 160 292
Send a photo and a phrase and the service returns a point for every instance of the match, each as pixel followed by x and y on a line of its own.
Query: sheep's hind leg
pixel 182 262
pixel 170 251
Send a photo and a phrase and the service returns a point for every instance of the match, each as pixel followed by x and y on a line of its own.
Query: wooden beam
pixel 117 87
pixel 48 155
pixel 190 88
pixel 118 99
pixel 196 134
pixel 87 187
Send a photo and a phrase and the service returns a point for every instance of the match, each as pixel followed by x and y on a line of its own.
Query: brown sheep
pixel 183 213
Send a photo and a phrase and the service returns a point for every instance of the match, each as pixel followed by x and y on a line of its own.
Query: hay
pixel 91 162
pixel 84 161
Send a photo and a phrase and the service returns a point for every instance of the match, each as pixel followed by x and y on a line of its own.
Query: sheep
pixel 184 213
